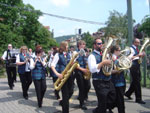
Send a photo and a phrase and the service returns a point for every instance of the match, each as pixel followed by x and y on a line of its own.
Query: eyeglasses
pixel 118 50
pixel 99 43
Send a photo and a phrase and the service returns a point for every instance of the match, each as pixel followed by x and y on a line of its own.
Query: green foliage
pixel 116 25
pixel 88 39
pixel 21 27
pixel 145 26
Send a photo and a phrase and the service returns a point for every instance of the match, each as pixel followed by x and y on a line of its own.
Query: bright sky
pixel 93 10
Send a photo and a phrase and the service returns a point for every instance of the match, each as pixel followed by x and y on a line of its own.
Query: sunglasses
pixel 99 43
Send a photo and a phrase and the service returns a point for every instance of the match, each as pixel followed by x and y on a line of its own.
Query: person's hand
pixel 59 75
pixel 140 55
pixel 85 71
pixel 107 62
pixel 143 54
pixel 39 58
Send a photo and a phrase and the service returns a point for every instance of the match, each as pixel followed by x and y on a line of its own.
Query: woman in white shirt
pixel 24 71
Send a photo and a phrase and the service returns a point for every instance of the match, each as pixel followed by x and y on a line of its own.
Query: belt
pixel 100 79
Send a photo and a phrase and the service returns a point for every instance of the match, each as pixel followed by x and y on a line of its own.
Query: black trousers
pixel 11 75
pixel 40 88
pixel 81 85
pixel 26 81
pixel 120 99
pixel 56 91
pixel 87 85
pixel 106 95
pixel 135 85
pixel 67 91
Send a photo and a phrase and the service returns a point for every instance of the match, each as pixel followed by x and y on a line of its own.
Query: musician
pixel 79 72
pixel 30 52
pixel 118 81
pixel 11 71
pixel 87 83
pixel 38 65
pixel 103 86
pixel 60 61
pixel 71 51
pixel 135 85
pixel 24 70
pixel 52 74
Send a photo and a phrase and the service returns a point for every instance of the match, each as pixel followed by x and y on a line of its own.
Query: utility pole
pixel 149 7
pixel 130 23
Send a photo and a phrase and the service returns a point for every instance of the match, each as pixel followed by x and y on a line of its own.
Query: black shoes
pixel 40 105
pixel 128 96
pixel 25 97
pixel 83 107
pixel 11 88
pixel 140 102
pixel 60 103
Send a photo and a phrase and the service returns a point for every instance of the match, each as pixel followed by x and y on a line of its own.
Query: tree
pixel 116 25
pixel 88 39
pixel 20 26
pixel 145 26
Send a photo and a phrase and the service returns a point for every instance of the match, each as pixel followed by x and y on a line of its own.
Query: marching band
pixel 109 89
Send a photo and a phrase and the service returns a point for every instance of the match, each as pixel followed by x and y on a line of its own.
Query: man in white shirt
pixel 135 85
pixel 103 86
pixel 11 71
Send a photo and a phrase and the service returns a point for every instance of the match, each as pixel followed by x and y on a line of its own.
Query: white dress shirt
pixel 50 60
pixel 5 55
pixel 32 66
pixel 27 68
pixel 92 63
pixel 132 53
pixel 56 59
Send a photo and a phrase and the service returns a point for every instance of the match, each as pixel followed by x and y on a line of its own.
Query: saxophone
pixel 87 76
pixel 71 66
pixel 146 41
pixel 107 69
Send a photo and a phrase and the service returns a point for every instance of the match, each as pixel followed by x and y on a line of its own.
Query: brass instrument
pixel 107 69
pixel 67 71
pixel 123 62
pixel 146 41
pixel 87 76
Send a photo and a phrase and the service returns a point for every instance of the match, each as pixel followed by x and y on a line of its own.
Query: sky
pixel 92 10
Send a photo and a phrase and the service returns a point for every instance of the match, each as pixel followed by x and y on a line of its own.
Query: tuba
pixel 71 66
pixel 123 62
pixel 146 41
pixel 107 69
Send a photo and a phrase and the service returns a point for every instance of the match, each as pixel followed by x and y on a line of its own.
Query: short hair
pixel 94 42
pixel 38 49
pixel 23 47
pixel 114 48
pixel 71 46
pixel 80 42
pixel 134 40
pixel 10 45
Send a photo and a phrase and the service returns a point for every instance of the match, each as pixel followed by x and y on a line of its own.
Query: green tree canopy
pixel 116 25
pixel 88 39
pixel 145 26
pixel 20 26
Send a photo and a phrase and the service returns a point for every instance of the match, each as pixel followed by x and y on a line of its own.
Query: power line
pixel 57 16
